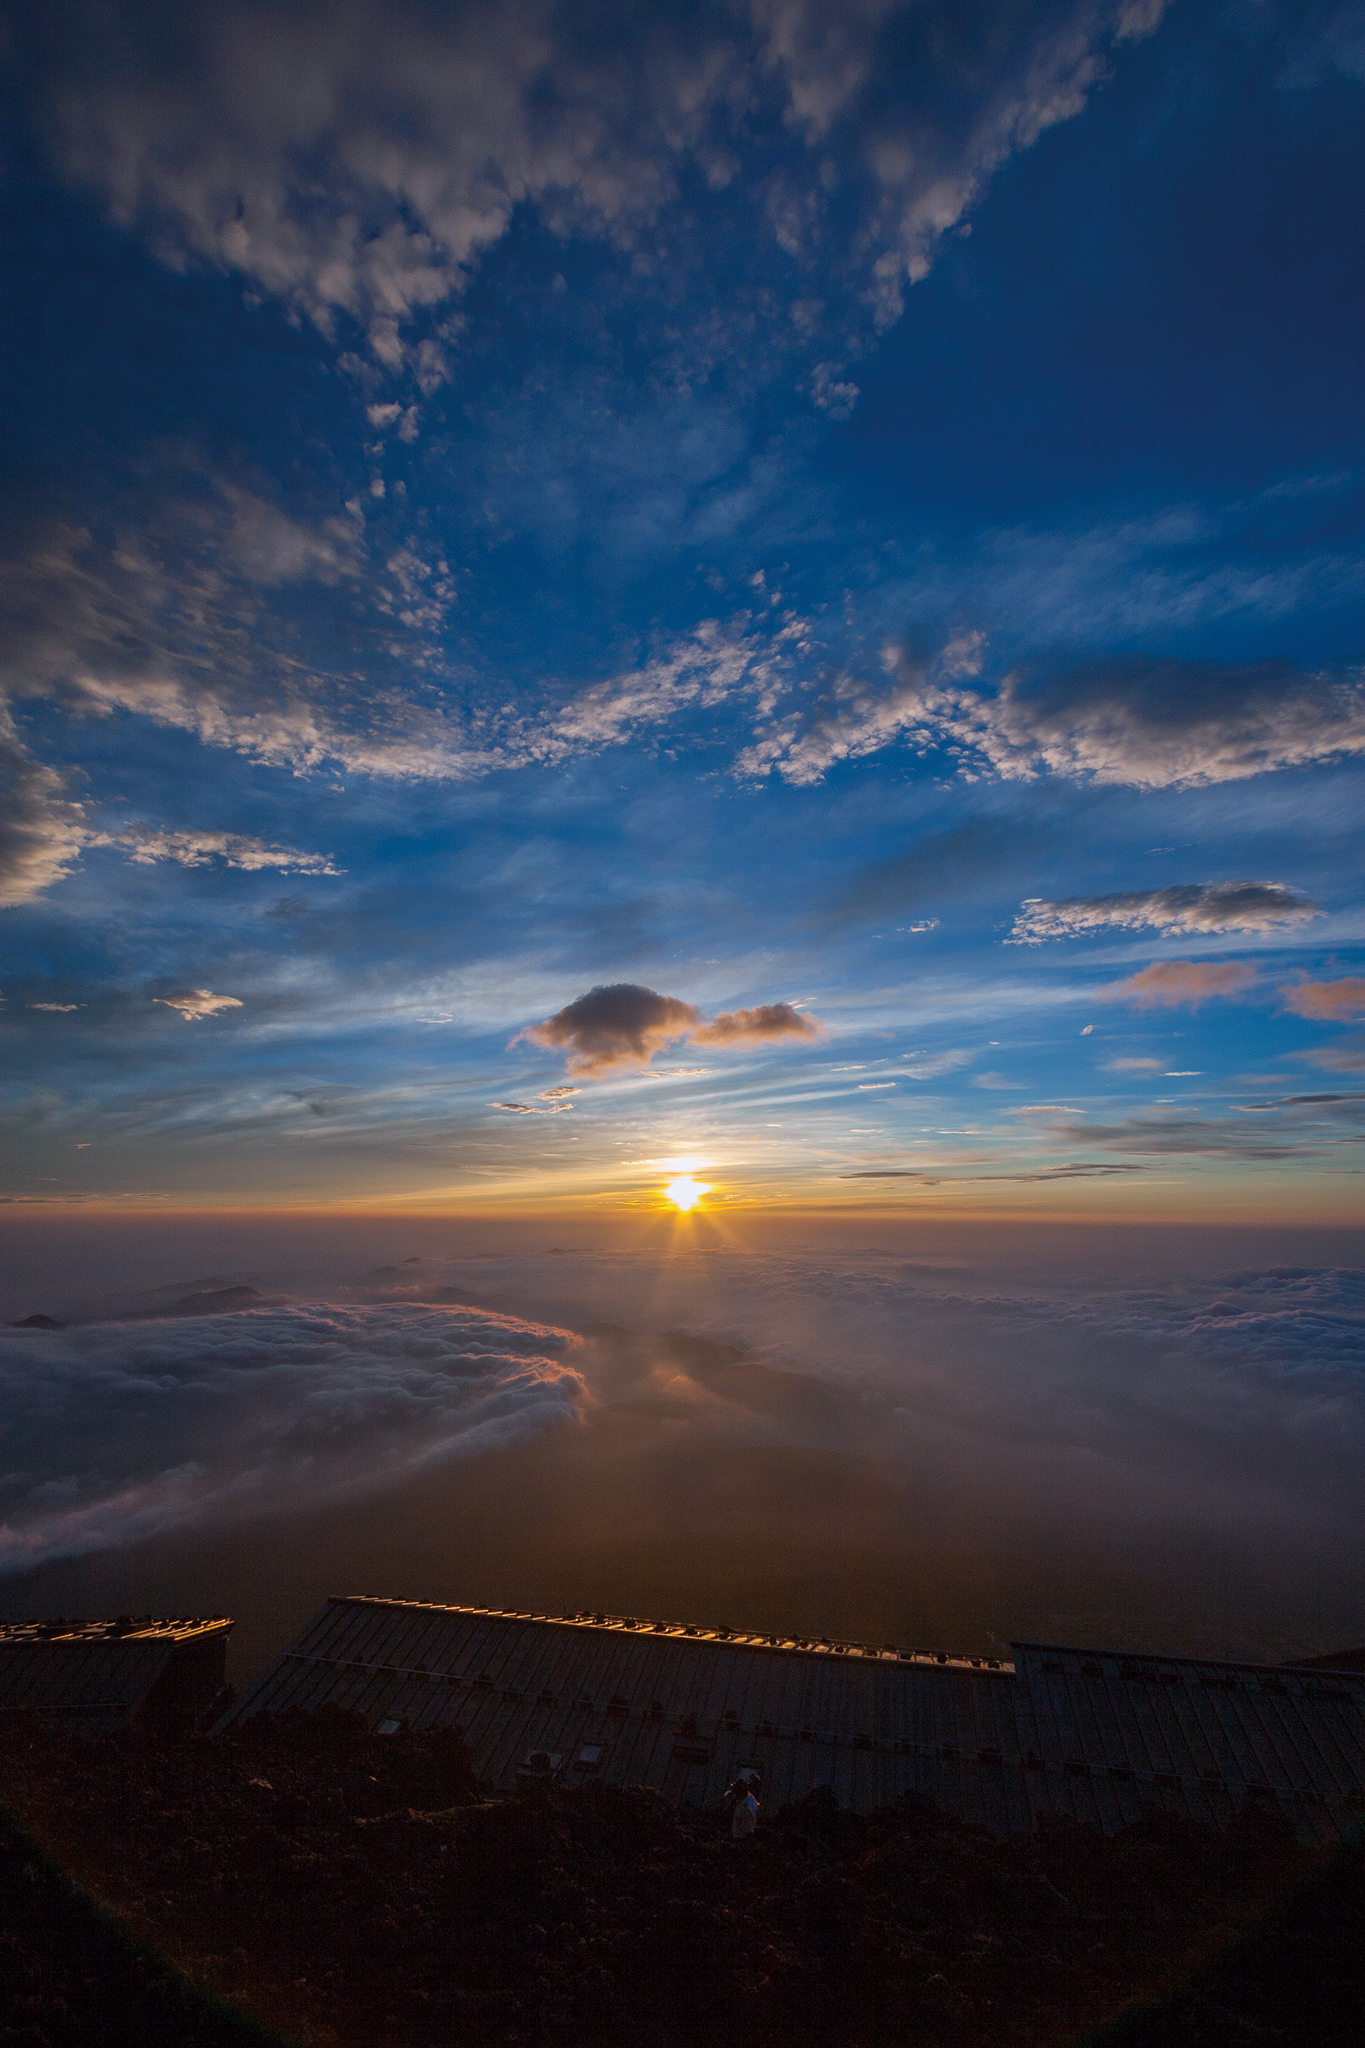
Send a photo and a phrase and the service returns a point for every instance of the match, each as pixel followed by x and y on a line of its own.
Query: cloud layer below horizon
pixel 118 1432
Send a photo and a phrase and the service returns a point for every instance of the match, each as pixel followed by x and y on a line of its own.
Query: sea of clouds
pixel 117 1431
pixel 961 1450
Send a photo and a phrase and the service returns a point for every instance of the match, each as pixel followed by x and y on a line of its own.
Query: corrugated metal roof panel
pixel 1101 1736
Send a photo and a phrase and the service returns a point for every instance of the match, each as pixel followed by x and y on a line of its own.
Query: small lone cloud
pixel 554 1094
pixel 1171 983
pixel 194 1003
pixel 60 1008
pixel 1327 1002
pixel 1134 1066
pixel 1086 1030
pixel 531 1108
pixel 622 1025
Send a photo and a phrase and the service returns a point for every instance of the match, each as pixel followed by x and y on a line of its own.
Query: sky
pixel 846 522
pixel 585 589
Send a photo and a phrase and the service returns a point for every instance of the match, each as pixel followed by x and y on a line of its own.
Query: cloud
pixel 553 1094
pixel 61 1008
pixel 615 1026
pixel 116 1432
pixel 1193 907
pixel 531 1109
pixel 1169 984
pixel 622 1025
pixel 193 1003
pixel 1303 1127
pixel 918 1067
pixel 1328 1002
pixel 760 1026
pixel 371 191
pixel 853 718
pixel 1141 724
pixel 1133 1066
pixel 41 830
pixel 1345 1058
pixel 145 844
pixel 936 1176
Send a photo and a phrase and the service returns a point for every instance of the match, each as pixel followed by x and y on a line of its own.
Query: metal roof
pixel 97 1675
pixel 124 1628
pixel 1100 1736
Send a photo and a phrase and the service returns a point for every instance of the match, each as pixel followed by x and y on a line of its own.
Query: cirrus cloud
pixel 1192 907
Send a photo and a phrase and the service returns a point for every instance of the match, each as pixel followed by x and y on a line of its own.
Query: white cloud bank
pixel 118 1432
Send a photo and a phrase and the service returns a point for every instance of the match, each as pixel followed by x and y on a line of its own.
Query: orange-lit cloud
pixel 1333 1002
pixel 623 1025
pixel 1170 983
pixel 753 1027
pixel 194 1003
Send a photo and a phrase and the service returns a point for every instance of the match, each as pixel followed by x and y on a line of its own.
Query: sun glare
pixel 685 1193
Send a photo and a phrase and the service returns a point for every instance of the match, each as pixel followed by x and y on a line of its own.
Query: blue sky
pixel 846 517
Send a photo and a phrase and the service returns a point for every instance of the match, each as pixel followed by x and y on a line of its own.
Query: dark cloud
pixel 613 1026
pixel 623 1025
pixel 938 1177
pixel 1192 907
pixel 1171 984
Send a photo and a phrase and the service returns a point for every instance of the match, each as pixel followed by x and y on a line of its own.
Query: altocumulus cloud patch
pixel 116 1432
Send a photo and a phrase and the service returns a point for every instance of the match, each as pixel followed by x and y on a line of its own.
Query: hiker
pixel 745 1818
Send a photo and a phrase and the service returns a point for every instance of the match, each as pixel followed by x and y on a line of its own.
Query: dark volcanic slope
pixel 354 1892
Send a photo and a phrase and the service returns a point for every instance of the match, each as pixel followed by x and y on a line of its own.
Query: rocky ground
pixel 354 1891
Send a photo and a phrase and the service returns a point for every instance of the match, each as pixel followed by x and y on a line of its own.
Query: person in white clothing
pixel 745 1818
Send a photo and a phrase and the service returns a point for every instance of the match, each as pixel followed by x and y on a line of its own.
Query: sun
pixel 685 1193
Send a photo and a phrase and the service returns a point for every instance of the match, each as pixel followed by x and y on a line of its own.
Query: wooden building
pixel 101 1676
pixel 1098 1735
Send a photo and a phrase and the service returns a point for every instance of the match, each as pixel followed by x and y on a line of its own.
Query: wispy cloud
pixel 1192 907
pixel 146 844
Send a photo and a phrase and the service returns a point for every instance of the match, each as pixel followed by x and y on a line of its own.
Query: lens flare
pixel 685 1193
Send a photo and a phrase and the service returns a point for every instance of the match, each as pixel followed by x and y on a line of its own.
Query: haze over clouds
pixel 1091 1417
